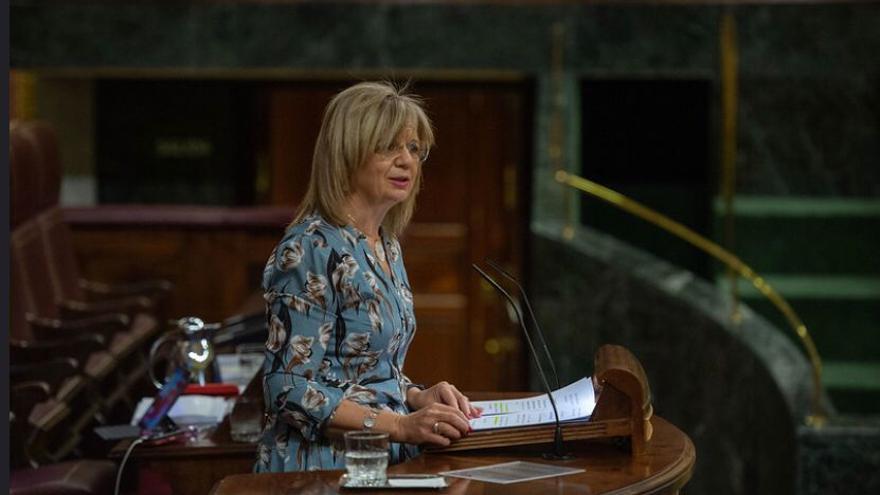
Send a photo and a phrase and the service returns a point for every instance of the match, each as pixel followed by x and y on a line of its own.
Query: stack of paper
pixel 574 401
pixel 190 409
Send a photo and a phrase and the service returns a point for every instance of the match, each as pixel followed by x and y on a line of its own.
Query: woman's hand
pixel 443 393
pixel 436 424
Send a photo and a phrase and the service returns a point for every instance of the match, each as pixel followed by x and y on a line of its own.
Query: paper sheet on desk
pixel 574 401
pixel 190 409
pixel 512 472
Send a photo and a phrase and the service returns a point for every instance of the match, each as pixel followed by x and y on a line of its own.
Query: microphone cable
pixel 131 447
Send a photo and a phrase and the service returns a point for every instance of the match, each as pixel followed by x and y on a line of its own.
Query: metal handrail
pixel 818 416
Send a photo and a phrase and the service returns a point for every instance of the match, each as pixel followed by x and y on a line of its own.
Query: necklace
pixel 375 243
pixel 374 239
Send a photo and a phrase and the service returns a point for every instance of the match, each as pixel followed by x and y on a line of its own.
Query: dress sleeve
pixel 409 383
pixel 299 329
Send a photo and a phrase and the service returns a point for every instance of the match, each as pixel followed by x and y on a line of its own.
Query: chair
pixel 101 344
pixel 72 356
pixel 143 302
pixel 34 416
pixel 31 287
pixel 32 413
pixel 81 477
pixel 66 385
pixel 35 339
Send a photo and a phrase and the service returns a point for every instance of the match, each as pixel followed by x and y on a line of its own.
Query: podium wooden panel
pixel 665 467
pixel 623 409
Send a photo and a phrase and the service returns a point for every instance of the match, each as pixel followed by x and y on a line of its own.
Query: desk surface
pixel 665 468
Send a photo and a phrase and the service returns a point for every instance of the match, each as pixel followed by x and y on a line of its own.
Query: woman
pixel 339 305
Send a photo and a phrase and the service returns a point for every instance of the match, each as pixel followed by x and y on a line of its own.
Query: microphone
pixel 557 453
pixel 537 329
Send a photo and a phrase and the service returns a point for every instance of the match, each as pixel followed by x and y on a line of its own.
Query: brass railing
pixel 731 261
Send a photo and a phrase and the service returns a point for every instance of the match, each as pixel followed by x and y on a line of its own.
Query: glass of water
pixel 246 420
pixel 366 457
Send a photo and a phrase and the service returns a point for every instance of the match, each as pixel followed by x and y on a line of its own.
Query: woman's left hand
pixel 443 393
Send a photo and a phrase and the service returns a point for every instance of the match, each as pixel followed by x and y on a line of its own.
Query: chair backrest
pixel 33 282
pixel 24 204
pixel 20 303
pixel 25 397
pixel 44 138
pixel 23 175
pixel 37 419
pixel 58 244
pixel 56 235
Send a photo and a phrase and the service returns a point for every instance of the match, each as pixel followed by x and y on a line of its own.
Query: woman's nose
pixel 407 157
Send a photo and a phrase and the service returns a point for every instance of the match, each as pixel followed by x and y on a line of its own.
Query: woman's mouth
pixel 400 182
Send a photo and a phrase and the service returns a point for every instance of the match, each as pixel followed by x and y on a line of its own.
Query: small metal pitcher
pixel 189 344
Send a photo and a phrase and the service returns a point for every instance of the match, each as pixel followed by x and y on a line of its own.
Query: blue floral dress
pixel 339 328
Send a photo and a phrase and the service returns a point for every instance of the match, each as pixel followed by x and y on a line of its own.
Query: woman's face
pixel 388 177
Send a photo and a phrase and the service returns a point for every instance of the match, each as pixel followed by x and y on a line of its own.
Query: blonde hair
pixel 360 120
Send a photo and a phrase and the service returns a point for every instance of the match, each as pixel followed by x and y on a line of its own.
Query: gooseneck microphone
pixel 557 453
pixel 537 329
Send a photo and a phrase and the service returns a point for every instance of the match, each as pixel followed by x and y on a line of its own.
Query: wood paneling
pixel 294 121
pixel 214 266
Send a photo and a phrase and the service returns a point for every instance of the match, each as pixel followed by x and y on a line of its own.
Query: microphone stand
pixel 557 437
pixel 557 453
pixel 537 329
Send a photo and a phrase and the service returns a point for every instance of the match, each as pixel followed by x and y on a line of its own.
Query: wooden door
pixel 472 206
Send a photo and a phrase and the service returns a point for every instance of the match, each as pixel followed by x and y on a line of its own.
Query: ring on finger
pixel 436 428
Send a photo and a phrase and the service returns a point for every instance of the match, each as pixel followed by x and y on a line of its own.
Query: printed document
pixel 574 401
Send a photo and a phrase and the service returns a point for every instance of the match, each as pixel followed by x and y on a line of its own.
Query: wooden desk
pixel 195 467
pixel 665 468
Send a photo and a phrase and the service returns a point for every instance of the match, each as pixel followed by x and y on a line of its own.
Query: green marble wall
pixel 739 391
pixel 842 457
pixel 809 87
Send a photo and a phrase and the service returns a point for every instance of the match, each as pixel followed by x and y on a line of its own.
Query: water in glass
pixel 366 467
pixel 366 458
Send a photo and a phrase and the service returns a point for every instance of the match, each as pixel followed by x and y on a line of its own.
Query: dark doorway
pixel 649 139
pixel 182 142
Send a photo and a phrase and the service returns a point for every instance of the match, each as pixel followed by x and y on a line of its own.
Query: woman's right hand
pixel 419 427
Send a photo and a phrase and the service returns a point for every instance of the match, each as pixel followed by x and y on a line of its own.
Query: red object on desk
pixel 227 389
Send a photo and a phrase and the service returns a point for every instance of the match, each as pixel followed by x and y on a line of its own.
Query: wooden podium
pixel 660 458
pixel 608 469
pixel 623 410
